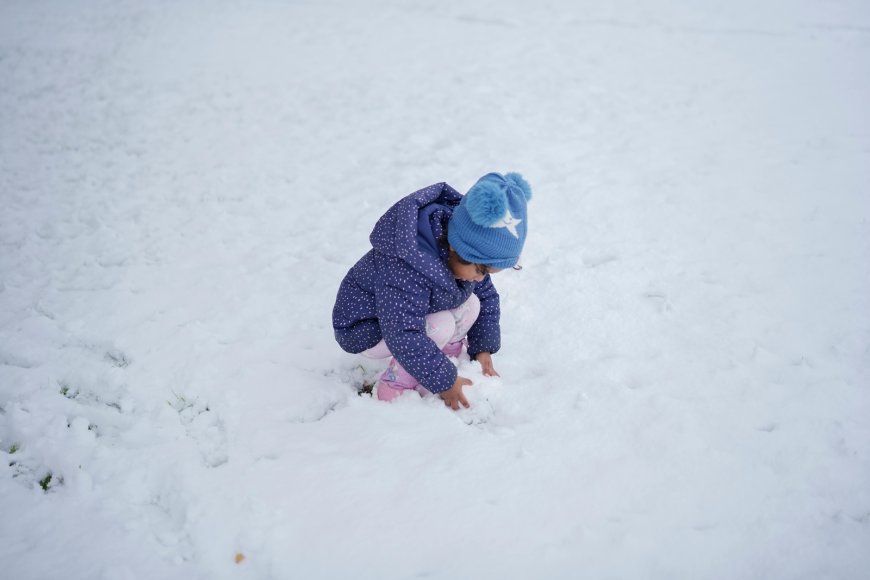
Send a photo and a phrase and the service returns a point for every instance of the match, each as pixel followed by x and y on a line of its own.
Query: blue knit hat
pixel 489 224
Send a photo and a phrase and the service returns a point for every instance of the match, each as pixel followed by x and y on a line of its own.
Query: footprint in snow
pixel 205 428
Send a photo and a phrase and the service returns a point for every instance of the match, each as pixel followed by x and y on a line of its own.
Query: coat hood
pixel 406 229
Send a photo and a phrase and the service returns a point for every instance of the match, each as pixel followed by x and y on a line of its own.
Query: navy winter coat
pixel 404 277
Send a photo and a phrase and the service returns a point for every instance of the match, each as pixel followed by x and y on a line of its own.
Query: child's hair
pixel 481 269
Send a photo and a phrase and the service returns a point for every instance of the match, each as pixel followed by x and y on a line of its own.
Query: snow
pixel 686 361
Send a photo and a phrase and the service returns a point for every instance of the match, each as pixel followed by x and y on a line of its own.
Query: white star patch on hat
pixel 509 222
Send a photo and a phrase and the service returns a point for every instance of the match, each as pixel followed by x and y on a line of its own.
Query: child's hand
pixel 485 360
pixel 453 396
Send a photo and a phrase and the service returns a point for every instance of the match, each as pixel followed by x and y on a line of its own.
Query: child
pixel 425 285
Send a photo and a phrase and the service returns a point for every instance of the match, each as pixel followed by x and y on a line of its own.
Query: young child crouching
pixel 425 287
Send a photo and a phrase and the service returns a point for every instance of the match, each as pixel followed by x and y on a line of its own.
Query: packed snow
pixel 685 372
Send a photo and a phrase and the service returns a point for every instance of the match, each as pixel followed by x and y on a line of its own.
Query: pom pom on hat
pixel 487 203
pixel 517 179
pixel 490 223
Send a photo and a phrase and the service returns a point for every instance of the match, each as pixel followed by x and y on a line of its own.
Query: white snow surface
pixel 686 354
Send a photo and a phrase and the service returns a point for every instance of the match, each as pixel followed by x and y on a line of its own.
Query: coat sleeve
pixel 402 304
pixel 485 334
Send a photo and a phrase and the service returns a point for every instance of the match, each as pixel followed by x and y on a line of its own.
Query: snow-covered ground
pixel 685 378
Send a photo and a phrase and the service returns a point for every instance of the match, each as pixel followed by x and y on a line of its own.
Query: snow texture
pixel 686 360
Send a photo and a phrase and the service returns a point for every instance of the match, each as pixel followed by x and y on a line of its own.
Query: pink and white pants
pixel 447 329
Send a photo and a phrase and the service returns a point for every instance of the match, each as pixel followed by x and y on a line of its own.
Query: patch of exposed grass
pixel 49 481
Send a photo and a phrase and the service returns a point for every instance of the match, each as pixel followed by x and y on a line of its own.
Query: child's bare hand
pixel 485 360
pixel 453 397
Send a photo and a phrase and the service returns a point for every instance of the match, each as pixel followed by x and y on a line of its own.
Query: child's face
pixel 466 270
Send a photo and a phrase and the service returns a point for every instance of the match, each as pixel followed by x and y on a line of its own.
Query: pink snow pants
pixel 446 329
